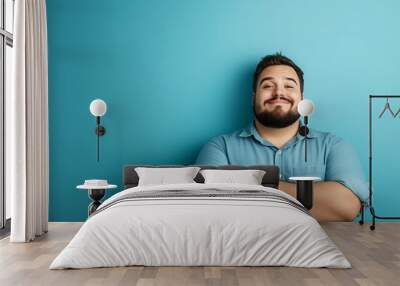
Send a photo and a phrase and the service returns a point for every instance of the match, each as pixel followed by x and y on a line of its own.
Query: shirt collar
pixel 251 130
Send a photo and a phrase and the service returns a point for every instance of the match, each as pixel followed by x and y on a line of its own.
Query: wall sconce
pixel 305 108
pixel 98 108
pixel 304 185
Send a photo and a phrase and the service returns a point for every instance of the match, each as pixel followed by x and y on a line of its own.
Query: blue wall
pixel 175 73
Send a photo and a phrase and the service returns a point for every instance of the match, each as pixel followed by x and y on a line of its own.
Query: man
pixel 273 139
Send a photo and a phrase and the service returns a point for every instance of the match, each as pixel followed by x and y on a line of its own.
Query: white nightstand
pixel 96 191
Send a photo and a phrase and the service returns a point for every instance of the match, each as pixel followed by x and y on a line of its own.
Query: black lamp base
pixel 96 195
pixel 305 193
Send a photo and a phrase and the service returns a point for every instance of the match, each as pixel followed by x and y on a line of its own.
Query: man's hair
pixel 273 60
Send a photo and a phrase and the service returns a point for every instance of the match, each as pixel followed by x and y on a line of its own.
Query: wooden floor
pixel 374 255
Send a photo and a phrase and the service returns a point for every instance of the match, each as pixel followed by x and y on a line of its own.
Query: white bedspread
pixel 200 231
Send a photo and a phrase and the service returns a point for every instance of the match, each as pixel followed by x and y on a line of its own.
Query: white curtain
pixel 28 123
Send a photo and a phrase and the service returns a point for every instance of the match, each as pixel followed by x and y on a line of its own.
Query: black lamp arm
pixel 100 130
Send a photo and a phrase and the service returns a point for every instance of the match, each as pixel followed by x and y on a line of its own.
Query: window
pixel 6 56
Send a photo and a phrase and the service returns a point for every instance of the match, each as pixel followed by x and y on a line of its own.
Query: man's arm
pixel 343 166
pixel 338 198
pixel 332 201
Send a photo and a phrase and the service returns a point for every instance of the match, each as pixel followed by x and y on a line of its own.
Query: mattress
pixel 201 225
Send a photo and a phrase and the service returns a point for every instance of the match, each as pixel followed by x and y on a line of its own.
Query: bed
pixel 201 224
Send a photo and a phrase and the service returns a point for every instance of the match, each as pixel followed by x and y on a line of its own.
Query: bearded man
pixel 273 138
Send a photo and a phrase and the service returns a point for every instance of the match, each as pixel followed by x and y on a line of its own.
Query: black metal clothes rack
pixel 371 208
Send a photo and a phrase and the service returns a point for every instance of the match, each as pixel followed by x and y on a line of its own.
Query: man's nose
pixel 279 91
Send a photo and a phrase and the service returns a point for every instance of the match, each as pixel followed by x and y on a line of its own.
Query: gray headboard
pixel 270 179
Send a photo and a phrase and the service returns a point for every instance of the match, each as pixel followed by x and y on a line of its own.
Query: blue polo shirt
pixel 328 156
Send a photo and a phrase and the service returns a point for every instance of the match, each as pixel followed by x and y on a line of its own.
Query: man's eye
pixel 267 86
pixel 289 86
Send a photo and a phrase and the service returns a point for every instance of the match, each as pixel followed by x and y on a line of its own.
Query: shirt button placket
pixel 278 162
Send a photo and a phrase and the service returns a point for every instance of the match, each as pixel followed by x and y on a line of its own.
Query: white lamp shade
pixel 98 107
pixel 305 107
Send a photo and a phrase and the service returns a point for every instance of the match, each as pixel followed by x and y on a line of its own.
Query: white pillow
pixel 248 177
pixel 163 176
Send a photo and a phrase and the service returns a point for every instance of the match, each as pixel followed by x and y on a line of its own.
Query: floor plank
pixel 374 255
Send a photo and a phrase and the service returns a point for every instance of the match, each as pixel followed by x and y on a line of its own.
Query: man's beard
pixel 275 119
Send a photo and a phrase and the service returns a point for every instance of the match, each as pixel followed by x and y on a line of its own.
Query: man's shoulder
pixel 230 137
pixel 214 152
pixel 327 137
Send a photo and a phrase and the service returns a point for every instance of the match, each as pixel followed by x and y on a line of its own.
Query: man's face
pixel 277 95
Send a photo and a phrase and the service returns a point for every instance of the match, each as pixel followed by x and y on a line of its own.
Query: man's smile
pixel 280 101
pixel 277 101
